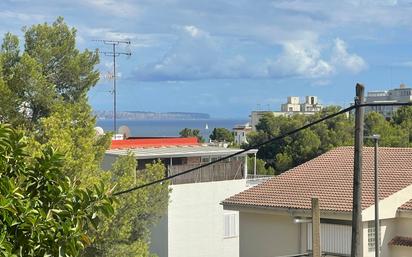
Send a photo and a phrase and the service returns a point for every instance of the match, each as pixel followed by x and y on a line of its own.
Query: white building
pixel 402 94
pixel 195 224
pixel 240 132
pixel 292 107
pixel 293 104
pixel 268 211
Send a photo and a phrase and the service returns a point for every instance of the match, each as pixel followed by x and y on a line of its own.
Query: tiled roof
pixel 401 241
pixel 406 206
pixel 330 178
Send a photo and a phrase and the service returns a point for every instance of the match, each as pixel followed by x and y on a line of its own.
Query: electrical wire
pixel 261 144
pixel 238 153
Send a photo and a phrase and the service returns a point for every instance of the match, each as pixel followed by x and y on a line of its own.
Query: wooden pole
pixel 316 252
pixel 356 250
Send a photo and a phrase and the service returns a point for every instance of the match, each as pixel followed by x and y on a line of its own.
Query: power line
pixel 260 144
pixel 238 153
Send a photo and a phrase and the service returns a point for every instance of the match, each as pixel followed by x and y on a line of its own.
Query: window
pixel 230 225
pixel 371 236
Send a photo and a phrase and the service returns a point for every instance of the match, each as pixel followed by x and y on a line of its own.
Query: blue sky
pixel 228 57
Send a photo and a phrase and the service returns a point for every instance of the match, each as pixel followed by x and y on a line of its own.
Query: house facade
pixel 274 216
pixel 195 223
pixel 240 133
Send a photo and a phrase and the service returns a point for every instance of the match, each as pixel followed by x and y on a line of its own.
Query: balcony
pixel 215 172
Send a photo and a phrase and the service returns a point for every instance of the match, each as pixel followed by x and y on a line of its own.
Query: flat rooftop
pixel 178 151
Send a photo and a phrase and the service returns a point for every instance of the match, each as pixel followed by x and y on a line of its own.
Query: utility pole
pixel 114 54
pixel 316 250
pixel 356 250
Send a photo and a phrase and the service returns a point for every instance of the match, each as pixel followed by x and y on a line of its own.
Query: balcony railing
pixel 215 172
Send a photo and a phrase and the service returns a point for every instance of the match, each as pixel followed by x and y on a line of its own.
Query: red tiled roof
pixel 401 241
pixel 153 142
pixel 330 178
pixel 406 206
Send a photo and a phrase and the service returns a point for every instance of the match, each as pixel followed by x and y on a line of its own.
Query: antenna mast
pixel 114 54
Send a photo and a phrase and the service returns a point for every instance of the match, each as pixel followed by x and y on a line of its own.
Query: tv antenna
pixel 114 54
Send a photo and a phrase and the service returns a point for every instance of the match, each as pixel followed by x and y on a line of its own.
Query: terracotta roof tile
pixel 330 178
pixel 401 241
pixel 406 206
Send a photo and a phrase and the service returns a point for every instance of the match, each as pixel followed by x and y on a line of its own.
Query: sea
pixel 170 128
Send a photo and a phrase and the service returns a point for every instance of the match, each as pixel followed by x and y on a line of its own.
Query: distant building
pixel 402 94
pixel 241 132
pixel 195 224
pixel 292 107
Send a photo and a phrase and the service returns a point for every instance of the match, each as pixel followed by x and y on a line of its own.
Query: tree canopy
pixel 338 131
pixel 43 212
pixel 187 132
pixel 126 233
pixel 49 69
pixel 222 135
pixel 44 87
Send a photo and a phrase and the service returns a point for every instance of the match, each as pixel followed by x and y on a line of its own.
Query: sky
pixel 230 57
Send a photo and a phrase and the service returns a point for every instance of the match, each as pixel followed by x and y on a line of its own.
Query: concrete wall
pixel 268 235
pixel 195 221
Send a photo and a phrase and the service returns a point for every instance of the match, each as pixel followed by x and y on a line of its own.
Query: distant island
pixel 138 115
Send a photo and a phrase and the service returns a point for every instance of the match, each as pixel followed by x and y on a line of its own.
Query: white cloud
pixel 301 59
pixel 351 62
pixel 119 8
pixel 199 55
pixel 22 16
pixel 196 55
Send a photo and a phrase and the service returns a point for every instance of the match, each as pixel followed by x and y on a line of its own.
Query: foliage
pixel 261 167
pixel 391 134
pixel 44 89
pixel 70 130
pixel 187 132
pixel 50 69
pixel 43 212
pixel 127 232
pixel 44 86
pixel 222 135
pixel 304 145
pixel 338 131
pixel 71 72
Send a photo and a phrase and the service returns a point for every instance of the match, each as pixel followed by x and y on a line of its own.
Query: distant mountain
pixel 138 115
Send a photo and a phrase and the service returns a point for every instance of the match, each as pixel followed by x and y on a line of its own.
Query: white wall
pixel 195 221
pixel 268 235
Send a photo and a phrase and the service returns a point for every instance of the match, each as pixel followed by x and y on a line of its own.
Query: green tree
pixel 187 132
pixel 43 87
pixel 391 134
pixel 43 212
pixel 70 130
pixel 261 167
pixel 304 145
pixel 222 135
pixel 71 72
pixel 50 69
pixel 126 233
pixel 403 119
